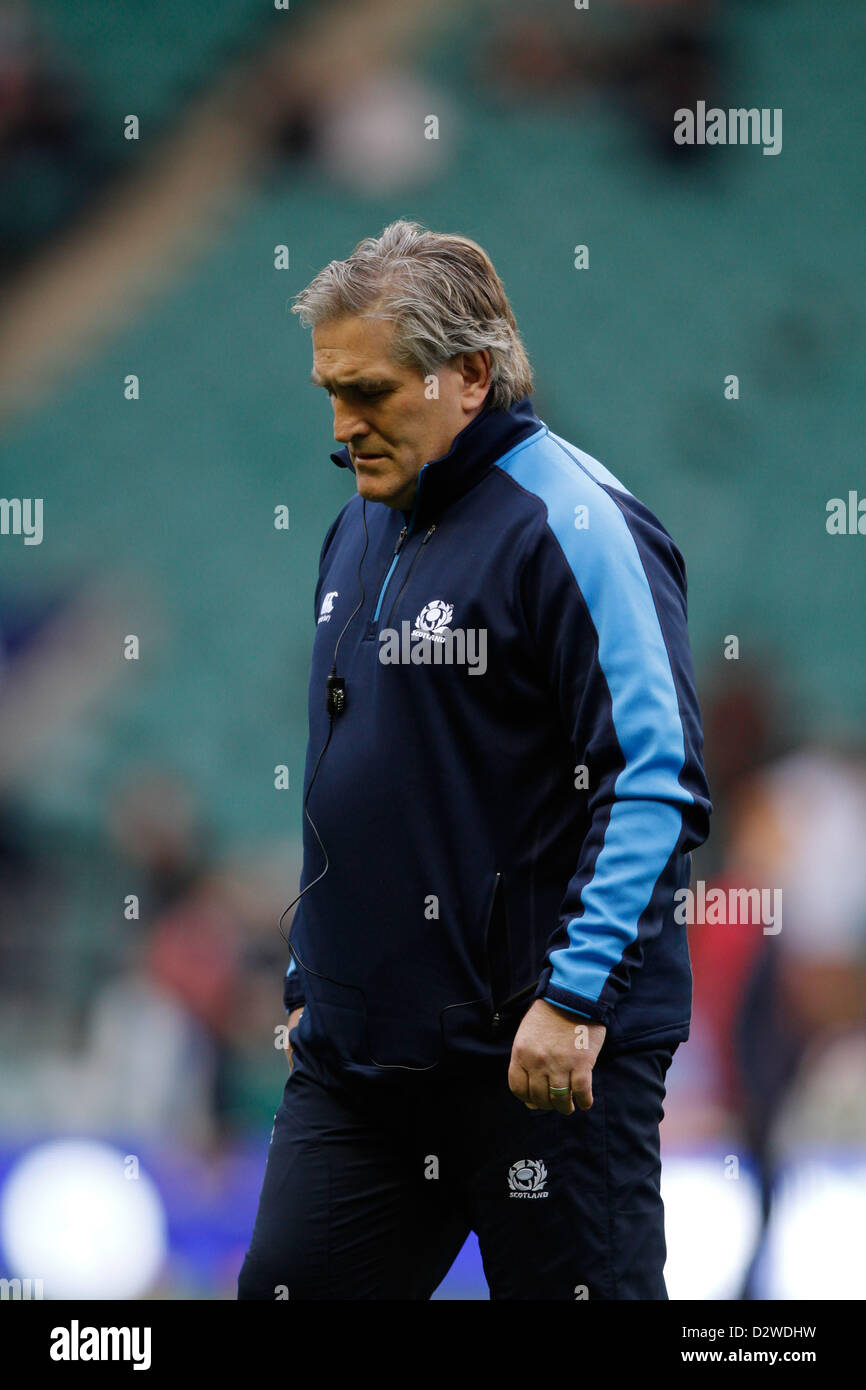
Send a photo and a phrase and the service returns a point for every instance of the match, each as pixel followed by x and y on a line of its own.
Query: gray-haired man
pixel 488 980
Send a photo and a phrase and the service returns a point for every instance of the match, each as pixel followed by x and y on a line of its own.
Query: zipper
pixel 397 548
pixel 404 534
pixel 512 998
pixel 495 970
pixel 500 1005
pixel 410 569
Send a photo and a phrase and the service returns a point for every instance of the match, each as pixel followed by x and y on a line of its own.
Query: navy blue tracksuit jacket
pixel 513 831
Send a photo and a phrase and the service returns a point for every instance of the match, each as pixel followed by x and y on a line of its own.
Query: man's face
pixel 381 408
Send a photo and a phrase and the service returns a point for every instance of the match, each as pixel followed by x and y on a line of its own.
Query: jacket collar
pixel 475 449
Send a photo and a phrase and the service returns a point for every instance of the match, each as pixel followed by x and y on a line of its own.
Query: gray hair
pixel 443 293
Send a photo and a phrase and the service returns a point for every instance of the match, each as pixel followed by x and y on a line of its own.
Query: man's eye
pixel 359 395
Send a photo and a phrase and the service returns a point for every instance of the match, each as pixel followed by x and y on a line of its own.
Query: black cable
pixel 384 1066
pixel 353 614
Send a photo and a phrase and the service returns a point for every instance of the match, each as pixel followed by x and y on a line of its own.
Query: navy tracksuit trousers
pixel 370 1191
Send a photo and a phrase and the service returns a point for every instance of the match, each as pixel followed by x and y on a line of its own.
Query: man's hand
pixel 294 1019
pixel 554 1048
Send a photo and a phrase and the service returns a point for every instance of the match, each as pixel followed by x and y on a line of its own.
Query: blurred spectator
pixel 652 56
pixel 801 1028
pixel 50 165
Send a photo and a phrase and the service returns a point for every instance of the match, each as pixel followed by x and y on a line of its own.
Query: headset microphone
pixel 335 701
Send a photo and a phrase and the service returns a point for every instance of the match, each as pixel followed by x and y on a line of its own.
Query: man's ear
pixel 475 367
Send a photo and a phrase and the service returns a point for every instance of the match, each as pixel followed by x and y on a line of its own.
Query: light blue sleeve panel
pixel 645 819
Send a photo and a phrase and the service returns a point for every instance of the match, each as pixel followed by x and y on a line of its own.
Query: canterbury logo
pixel 327 607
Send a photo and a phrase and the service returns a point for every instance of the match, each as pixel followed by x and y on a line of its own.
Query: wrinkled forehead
pixel 349 350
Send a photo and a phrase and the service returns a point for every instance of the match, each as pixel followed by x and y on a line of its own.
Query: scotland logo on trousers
pixel 527 1177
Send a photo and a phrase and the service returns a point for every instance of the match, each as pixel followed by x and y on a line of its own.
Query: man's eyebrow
pixel 369 383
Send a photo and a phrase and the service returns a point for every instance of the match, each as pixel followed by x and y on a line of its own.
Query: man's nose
pixel 348 423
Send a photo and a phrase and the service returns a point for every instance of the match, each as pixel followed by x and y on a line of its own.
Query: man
pixel 503 784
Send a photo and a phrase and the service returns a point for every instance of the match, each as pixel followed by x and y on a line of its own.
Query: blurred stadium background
pixel 152 1036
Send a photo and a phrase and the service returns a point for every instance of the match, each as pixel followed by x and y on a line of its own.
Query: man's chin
pixel 377 490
